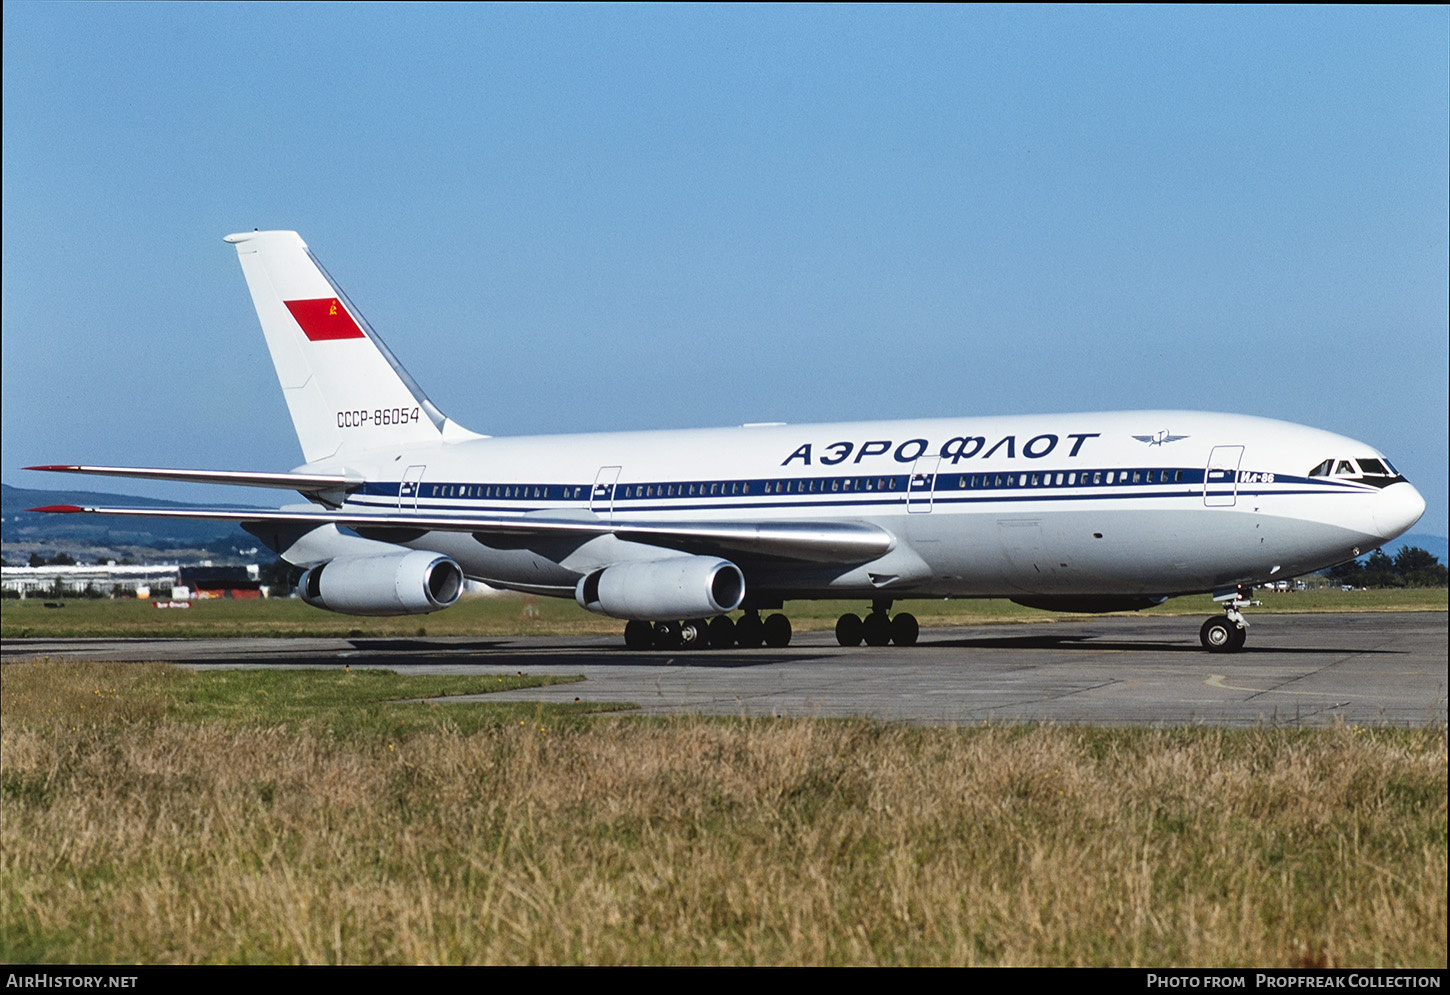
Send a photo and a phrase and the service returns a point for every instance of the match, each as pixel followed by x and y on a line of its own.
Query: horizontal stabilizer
pixel 307 483
pixel 827 542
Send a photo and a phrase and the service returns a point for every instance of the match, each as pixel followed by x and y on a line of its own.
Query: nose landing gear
pixel 1229 633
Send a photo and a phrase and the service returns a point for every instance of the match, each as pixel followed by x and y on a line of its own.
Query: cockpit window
pixel 1373 470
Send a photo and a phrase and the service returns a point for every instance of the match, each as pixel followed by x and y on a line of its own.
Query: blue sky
pixel 617 217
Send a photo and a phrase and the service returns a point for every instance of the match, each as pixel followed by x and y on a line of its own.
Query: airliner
pixel 675 532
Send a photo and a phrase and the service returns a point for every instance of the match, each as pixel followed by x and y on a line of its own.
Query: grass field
pixel 150 814
pixel 512 614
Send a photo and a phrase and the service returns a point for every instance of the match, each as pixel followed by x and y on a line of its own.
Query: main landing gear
pixel 721 632
pixel 1229 633
pixel 878 628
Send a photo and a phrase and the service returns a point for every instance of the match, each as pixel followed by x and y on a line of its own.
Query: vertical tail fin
pixel 346 391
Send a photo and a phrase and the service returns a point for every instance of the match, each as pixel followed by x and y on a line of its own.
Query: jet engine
pixel 664 590
pixel 412 583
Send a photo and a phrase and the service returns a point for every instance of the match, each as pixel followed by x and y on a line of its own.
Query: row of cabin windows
pixel 1086 478
pixel 728 488
pixel 541 491
pixel 834 485
pixel 815 485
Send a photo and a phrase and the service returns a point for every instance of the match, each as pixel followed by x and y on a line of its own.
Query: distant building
pixel 223 582
pixel 107 577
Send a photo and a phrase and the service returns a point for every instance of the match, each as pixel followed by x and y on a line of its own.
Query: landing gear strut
pixel 878 628
pixel 1229 633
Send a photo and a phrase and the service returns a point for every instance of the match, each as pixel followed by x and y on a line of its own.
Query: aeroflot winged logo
pixel 1162 438
pixel 324 319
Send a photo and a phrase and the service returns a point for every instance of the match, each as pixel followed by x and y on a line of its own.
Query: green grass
pixel 334 702
pixel 511 614
pixel 153 815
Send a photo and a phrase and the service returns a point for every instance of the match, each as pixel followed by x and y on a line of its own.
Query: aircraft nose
pixel 1399 506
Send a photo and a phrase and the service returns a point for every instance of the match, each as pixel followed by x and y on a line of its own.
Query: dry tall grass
pixel 132 835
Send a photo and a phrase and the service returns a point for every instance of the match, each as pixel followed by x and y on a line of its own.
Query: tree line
pixel 1410 567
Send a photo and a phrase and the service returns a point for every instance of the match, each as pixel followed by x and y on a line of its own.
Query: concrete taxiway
pixel 1297 670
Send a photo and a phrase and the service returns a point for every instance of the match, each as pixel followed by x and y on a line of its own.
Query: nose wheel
pixel 1229 633
pixel 1221 635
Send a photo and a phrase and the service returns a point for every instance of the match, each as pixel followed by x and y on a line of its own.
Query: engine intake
pixel 412 583
pixel 664 590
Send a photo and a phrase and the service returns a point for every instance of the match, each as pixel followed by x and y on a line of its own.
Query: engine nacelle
pixel 412 583
pixel 679 587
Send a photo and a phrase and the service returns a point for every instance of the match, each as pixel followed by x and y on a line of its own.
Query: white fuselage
pixel 1145 503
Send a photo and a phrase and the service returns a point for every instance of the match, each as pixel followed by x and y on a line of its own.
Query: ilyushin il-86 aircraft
pixel 675 531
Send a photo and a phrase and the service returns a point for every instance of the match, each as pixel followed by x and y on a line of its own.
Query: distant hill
pixel 20 526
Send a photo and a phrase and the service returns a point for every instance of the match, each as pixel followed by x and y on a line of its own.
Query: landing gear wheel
pixel 1219 635
pixel 849 630
pixel 639 635
pixel 904 629
pixel 667 635
pixel 1241 636
pixel 722 632
pixel 749 632
pixel 876 629
pixel 777 631
pixel 694 634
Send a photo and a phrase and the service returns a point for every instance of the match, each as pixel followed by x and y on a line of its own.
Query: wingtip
pixel 54 466
pixel 60 509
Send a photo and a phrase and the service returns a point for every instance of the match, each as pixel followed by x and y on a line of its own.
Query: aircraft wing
pixel 812 541
pixel 306 483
